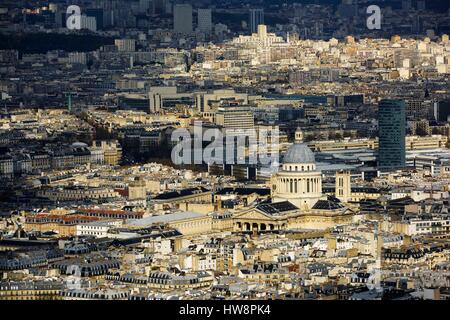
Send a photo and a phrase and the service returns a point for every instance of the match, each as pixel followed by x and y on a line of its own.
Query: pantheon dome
pixel 298 181
pixel 299 153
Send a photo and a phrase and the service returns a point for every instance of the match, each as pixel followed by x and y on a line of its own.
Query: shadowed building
pixel 391 121
pixel 256 18
pixel 182 18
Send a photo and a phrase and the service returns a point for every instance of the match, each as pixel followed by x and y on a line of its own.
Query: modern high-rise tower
pixel 159 6
pixel 256 18
pixel 391 122
pixel 442 110
pixel 182 18
pixel 204 21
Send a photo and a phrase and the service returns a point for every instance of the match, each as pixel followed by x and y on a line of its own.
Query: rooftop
pixel 165 218
pixel 299 153
pixel 278 208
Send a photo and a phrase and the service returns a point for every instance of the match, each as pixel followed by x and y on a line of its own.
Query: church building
pixel 297 199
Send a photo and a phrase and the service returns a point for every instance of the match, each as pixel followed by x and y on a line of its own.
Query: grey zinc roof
pixel 277 208
pixel 165 218
pixel 299 153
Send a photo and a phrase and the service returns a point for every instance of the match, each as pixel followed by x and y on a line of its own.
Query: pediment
pixel 253 214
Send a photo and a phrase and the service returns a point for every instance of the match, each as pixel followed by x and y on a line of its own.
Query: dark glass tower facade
pixel 442 110
pixel 256 18
pixel 392 123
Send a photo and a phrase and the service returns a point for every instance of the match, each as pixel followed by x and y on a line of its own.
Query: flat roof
pixel 171 217
pixel 440 153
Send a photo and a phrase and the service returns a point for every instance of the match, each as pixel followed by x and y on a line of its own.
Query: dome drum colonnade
pixel 298 181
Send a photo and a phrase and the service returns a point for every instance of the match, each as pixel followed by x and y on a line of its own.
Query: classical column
pixel 317 185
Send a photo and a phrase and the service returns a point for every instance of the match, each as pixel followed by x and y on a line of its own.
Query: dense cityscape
pixel 204 150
